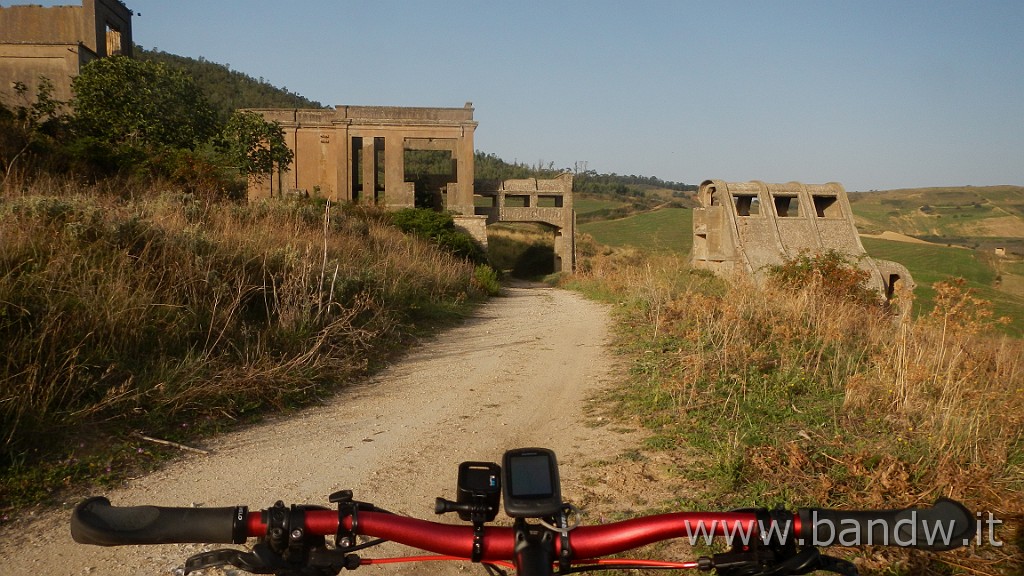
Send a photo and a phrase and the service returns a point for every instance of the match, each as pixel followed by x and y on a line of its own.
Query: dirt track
pixel 518 374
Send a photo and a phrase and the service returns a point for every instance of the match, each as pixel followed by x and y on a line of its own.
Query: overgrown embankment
pixel 803 393
pixel 168 315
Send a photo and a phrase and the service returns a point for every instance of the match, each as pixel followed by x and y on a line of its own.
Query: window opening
pixel 113 41
pixel 890 289
pixel 379 156
pixel 549 201
pixel 713 192
pixel 787 206
pixel 357 168
pixel 747 204
pixel 827 207
pixel 517 201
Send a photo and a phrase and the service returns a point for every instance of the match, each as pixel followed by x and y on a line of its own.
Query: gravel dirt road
pixel 521 372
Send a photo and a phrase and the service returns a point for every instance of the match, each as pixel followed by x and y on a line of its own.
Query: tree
pixel 255 145
pixel 141 105
pixel 27 123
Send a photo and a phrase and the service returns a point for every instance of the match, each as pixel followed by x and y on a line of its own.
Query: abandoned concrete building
pixel 359 154
pixel 57 41
pixel 744 227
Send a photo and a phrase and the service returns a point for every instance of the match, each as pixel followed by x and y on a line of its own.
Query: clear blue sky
pixel 873 94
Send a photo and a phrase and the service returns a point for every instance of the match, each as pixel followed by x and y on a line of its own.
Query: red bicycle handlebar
pixel 945 525
pixel 586 541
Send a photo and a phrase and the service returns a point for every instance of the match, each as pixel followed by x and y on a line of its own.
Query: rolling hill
pixel 977 217
pixel 957 231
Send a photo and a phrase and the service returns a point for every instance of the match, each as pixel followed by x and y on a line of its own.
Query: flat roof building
pixel 56 41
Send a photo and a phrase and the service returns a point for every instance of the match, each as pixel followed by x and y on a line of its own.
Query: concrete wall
pixel 357 153
pixel 745 227
pixel 57 41
pixel 548 201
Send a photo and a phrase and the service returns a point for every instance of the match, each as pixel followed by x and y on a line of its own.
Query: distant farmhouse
pixel 57 41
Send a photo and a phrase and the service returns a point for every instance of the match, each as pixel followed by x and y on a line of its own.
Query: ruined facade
pixel 358 154
pixel 57 41
pixel 744 227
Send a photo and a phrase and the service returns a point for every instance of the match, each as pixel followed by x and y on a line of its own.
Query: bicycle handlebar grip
pixel 95 521
pixel 944 526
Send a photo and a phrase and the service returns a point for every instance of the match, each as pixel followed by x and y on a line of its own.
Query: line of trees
pixel 593 183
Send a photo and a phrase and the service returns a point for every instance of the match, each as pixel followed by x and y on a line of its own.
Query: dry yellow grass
pixel 795 394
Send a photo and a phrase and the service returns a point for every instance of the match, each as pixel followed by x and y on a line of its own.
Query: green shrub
pixel 486 280
pixel 439 227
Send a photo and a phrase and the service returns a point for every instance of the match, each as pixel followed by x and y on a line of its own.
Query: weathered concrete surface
pixel 548 201
pixel 745 227
pixel 357 153
pixel 57 41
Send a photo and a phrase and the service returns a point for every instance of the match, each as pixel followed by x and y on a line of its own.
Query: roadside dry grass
pixel 767 395
pixel 126 310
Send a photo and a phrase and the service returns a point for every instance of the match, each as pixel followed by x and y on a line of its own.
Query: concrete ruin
pixel 358 154
pixel 741 228
pixel 544 201
pixel 57 41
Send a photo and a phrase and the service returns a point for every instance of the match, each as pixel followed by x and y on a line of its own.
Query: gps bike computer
pixel 530 484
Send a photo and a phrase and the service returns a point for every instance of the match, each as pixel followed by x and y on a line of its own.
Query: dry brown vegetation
pixel 166 314
pixel 774 395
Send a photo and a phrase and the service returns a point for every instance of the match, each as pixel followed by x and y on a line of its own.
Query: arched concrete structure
pixel 547 201
pixel 744 227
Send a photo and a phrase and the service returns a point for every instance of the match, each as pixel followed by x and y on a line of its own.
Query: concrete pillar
pixel 368 164
pixel 464 176
pixel 343 165
pixel 394 172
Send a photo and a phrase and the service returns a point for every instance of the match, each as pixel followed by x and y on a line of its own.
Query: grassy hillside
pixel 665 229
pixel 977 217
pixel 930 263
pixel 953 219
pixel 587 205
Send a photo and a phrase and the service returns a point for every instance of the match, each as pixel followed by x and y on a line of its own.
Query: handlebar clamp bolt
pixel 297 534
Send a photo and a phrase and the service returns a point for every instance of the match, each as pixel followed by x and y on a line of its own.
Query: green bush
pixel 486 280
pixel 439 227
